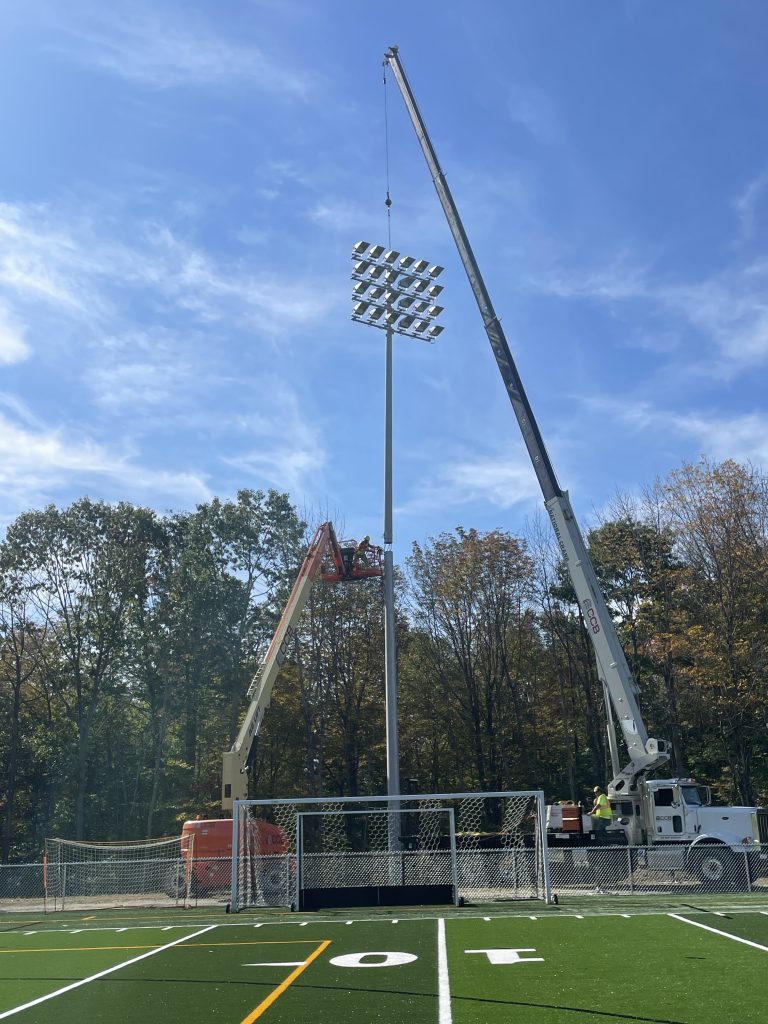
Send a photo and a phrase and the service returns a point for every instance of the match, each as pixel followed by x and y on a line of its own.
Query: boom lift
pixel 674 810
pixel 327 560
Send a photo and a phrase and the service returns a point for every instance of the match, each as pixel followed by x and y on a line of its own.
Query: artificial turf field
pixel 590 963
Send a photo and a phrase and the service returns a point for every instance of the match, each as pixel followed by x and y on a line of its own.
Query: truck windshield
pixel 692 796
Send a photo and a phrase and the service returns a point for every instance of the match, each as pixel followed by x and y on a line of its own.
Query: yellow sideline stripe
pixel 276 993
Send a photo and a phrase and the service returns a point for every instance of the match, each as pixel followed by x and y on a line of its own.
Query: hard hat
pixel 597 789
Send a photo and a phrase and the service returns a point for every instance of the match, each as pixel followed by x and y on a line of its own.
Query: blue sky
pixel 181 184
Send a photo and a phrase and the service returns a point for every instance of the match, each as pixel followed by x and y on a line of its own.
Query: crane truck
pixel 644 811
pixel 206 844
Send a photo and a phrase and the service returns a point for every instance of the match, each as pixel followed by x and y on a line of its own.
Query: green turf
pixel 595 967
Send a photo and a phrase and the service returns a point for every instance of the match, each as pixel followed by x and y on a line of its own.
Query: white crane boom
pixel 645 752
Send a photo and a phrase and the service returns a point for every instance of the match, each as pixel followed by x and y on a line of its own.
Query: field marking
pixel 278 963
pixel 101 974
pixel 75 949
pixel 716 931
pixel 191 945
pixel 443 981
pixel 276 993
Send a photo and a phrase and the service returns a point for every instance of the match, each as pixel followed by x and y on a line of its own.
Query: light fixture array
pixel 395 292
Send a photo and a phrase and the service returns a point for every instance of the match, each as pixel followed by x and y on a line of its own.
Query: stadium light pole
pixel 398 295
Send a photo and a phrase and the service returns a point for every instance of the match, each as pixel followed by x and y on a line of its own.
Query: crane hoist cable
pixel 388 200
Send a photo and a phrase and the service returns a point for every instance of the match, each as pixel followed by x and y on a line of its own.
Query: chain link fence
pixel 619 870
pixel 89 885
pixel 584 870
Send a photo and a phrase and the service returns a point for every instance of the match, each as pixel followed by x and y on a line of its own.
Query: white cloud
pixel 85 274
pixel 41 262
pixel 36 462
pixel 500 481
pixel 730 308
pixel 343 216
pixel 163 49
pixel 745 204
pixel 13 347
pixel 288 453
pixel 743 437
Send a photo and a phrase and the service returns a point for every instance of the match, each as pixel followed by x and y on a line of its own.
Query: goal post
pixel 346 851
pixel 80 874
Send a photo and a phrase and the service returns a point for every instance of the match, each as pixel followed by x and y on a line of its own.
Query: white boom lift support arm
pixel 644 751
pixel 327 560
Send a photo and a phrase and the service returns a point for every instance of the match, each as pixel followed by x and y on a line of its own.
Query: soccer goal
pixel 364 851
pixel 79 874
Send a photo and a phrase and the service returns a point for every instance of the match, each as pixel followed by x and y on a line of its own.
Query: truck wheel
pixel 715 866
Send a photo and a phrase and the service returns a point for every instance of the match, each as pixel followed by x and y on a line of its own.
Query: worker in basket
pixel 360 556
pixel 601 809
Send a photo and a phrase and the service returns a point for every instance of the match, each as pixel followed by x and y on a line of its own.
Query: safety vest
pixel 603 807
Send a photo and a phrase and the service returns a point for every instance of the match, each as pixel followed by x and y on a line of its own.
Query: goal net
pixel 79 874
pixel 384 861
pixel 463 847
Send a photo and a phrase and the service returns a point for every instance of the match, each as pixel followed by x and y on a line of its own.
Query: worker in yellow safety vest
pixel 361 551
pixel 601 809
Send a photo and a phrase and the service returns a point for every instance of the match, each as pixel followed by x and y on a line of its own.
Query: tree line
pixel 129 640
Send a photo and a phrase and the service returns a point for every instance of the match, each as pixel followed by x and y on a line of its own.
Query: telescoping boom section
pixel 331 562
pixel 645 752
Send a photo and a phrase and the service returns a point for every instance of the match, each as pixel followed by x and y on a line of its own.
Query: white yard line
pixel 102 974
pixel 443 983
pixel 716 931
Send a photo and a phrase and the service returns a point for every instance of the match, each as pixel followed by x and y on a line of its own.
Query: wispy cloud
pixel 729 308
pixel 743 437
pixel 160 318
pixel 40 261
pixel 496 480
pixel 72 266
pixel 745 204
pixel 36 462
pixel 536 112
pixel 280 445
pixel 166 47
pixel 13 347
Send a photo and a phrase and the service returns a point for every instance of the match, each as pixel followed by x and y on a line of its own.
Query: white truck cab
pixel 681 811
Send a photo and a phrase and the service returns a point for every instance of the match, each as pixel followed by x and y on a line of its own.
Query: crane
pixel 645 752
